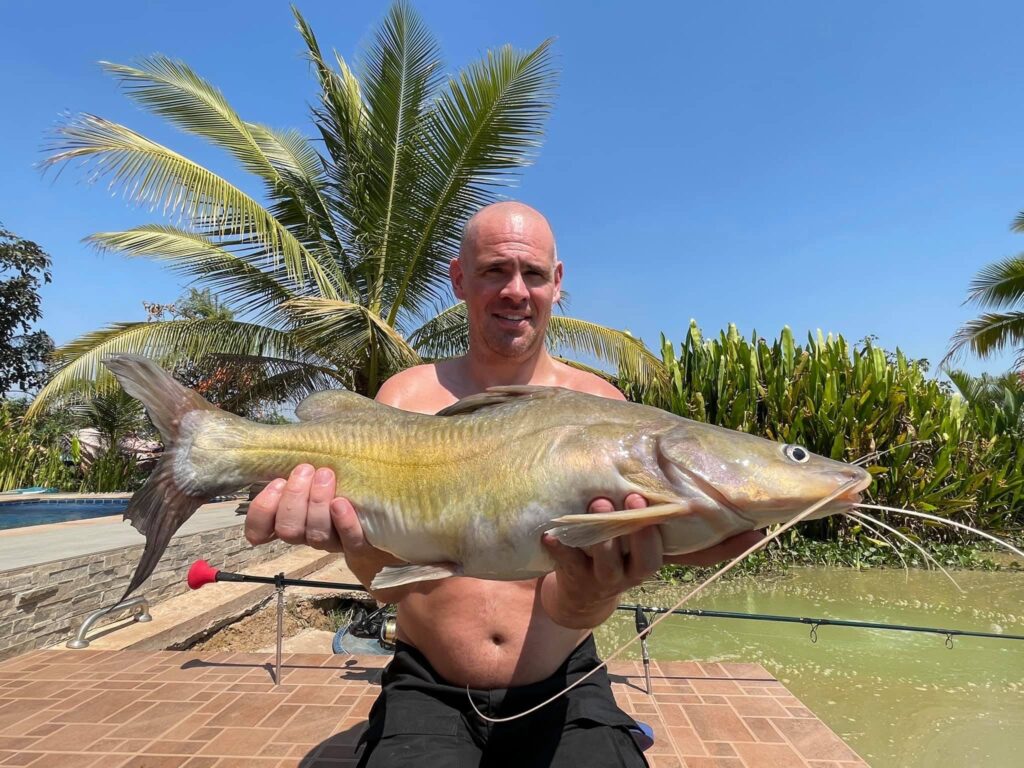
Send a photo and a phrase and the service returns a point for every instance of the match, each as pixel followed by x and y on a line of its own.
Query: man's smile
pixel 512 319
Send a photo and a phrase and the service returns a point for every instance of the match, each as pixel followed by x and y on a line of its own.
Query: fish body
pixel 471 490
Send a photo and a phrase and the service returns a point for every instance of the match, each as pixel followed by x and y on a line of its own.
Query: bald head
pixel 507 218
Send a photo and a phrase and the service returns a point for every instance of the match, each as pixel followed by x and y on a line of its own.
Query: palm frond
pixel 344 330
pixel 987 334
pixel 1000 284
pixel 243 286
pixel 167 343
pixel 172 90
pixel 341 121
pixel 969 387
pixel 484 127
pixel 400 71
pixel 445 335
pixel 152 174
pixel 631 358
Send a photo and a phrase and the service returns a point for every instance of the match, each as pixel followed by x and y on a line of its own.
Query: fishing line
pixel 863 521
pixel 849 486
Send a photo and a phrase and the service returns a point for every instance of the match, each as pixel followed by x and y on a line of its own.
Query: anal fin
pixel 398 575
pixel 589 529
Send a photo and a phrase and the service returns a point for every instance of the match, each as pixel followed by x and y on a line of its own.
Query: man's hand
pixel 304 510
pixel 584 588
pixel 296 511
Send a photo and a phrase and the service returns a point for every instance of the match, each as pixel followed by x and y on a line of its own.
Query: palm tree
pixel 998 286
pixel 997 401
pixel 340 277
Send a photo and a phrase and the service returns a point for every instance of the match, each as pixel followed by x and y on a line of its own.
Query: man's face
pixel 509 280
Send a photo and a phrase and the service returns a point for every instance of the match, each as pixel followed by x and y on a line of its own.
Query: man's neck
pixel 486 370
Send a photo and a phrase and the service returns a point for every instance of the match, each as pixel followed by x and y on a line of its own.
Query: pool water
pixel 19 514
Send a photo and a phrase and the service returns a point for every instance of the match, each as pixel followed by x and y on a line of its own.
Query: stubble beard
pixel 512 347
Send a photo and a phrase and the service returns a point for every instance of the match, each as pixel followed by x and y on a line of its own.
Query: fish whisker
pixel 875 454
pixel 946 521
pixel 864 519
pixel 693 593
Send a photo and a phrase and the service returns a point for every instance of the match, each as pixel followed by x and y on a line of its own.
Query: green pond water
pixel 900 699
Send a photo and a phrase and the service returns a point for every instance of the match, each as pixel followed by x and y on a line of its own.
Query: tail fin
pixel 163 504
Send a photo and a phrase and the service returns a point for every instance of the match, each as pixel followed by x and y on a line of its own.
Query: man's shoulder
pixel 416 389
pixel 584 381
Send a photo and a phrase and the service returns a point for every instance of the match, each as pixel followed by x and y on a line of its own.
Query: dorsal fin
pixel 330 404
pixel 498 396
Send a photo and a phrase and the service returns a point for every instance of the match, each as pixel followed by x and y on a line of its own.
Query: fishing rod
pixel 820 622
pixel 202 573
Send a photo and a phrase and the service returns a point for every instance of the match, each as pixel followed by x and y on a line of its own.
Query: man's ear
pixel 455 274
pixel 558 283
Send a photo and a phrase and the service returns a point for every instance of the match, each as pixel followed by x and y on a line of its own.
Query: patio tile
pixel 171 709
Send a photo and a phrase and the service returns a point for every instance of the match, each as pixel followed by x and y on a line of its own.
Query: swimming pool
pixel 19 514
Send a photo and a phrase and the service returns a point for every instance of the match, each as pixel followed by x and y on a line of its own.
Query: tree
pixel 341 277
pixel 998 286
pixel 24 266
pixel 226 384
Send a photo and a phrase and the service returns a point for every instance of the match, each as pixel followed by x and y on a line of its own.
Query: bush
pixel 942 454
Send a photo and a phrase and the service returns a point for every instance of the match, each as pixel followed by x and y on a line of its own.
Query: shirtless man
pixel 512 643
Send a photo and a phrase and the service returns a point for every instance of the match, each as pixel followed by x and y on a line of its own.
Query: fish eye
pixel 797 453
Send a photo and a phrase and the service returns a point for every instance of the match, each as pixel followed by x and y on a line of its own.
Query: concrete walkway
pixel 37 544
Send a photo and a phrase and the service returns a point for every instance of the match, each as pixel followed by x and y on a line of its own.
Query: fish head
pixel 762 481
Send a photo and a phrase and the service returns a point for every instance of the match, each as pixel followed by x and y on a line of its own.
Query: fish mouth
pixel 853 495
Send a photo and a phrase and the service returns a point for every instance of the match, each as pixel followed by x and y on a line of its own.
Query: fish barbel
pixel 470 491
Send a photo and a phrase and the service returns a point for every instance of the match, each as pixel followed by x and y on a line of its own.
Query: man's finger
pixel 570 559
pixel 290 524
pixel 259 520
pixel 346 523
pixel 645 554
pixel 320 533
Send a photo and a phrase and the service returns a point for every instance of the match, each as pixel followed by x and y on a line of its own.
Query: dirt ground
pixel 259 630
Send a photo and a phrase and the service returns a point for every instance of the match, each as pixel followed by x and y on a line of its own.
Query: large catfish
pixel 471 490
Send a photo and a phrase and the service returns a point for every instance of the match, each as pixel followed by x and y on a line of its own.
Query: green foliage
pixel 851 550
pixel 45 452
pixel 24 267
pixel 932 450
pixel 31 454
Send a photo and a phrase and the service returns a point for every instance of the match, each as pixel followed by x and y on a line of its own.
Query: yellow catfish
pixel 471 490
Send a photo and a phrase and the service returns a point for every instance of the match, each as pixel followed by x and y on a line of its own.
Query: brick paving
pixel 176 709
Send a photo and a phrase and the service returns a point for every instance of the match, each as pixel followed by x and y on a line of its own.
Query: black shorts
pixel 421 720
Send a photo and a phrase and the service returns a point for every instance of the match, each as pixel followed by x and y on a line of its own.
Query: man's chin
pixel 514 347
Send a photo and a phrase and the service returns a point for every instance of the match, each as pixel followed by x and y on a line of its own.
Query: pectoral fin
pixel 397 575
pixel 590 529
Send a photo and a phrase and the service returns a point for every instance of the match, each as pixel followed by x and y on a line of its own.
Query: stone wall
pixel 41 605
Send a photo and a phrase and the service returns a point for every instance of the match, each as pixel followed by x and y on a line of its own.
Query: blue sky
pixel 840 166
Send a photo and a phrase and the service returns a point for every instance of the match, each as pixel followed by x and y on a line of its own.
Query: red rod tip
pixel 201 573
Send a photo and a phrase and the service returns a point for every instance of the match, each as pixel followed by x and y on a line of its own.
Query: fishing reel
pixel 380 625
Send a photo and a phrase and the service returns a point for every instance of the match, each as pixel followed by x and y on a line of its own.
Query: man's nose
pixel 515 288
